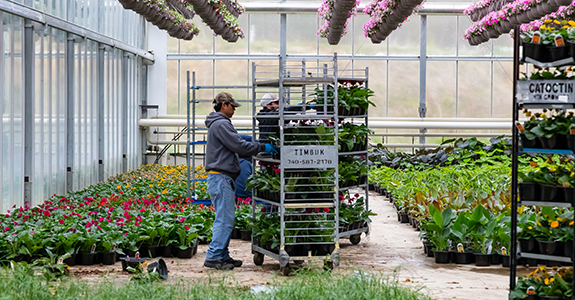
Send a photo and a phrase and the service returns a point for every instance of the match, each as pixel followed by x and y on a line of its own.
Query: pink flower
pixel 5 229
pixel 137 224
pixel 126 234
pixel 187 228
pixel 7 215
pixel 47 213
pixel 182 220
pixel 164 202
pixel 61 221
pixel 99 227
pixel 277 171
pixel 20 215
pixel 139 219
pixel 100 219
pixel 325 209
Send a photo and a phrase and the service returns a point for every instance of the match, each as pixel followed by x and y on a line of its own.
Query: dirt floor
pixel 390 246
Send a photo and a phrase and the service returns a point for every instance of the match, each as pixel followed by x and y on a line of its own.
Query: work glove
pixel 308 106
pixel 270 149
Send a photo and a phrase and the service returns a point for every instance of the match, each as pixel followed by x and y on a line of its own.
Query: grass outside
pixel 24 283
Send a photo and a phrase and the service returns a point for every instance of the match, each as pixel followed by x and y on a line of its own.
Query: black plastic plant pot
pixel 295 250
pixel 149 251
pixel 108 258
pixel 529 191
pixel 558 53
pixel 548 192
pixel 557 141
pixel 463 258
pixel 548 248
pixel 550 298
pixel 195 249
pixel 371 187
pixel 483 260
pixel 322 249
pixel 236 234
pixel 246 235
pixel 404 218
pixel 496 259
pixel 527 143
pixel 160 267
pixel 442 257
pixel 165 251
pixel 568 249
pixel 505 260
pixel 531 297
pixel 571 141
pixel 187 253
pixel 71 261
pixel 130 253
pixel 568 194
pixel 528 245
pixel 132 262
pixel 534 51
pixel 86 259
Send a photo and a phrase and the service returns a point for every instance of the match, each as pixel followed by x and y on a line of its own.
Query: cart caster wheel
pixel 285 271
pixel 328 265
pixel 258 259
pixel 299 262
pixel 355 239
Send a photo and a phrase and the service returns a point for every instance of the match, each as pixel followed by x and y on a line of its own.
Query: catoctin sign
pixel 545 91
pixel 295 157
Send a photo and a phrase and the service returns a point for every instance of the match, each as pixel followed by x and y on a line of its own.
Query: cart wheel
pixel 285 271
pixel 299 262
pixel 355 239
pixel 258 259
pixel 328 265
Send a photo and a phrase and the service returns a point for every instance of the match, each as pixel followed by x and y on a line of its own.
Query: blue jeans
pixel 222 193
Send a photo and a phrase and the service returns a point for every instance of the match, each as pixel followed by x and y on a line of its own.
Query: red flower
pixel 277 171
pixel 182 220
pixel 137 224
pixel 356 195
pixel 142 210
pixel 263 209
pixel 6 229
pixel 7 215
pixel 61 221
pixel 325 209
pixel 126 234
pixel 47 213
pixel 187 228
pixel 20 214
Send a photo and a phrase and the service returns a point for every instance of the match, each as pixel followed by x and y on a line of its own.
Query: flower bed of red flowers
pixel 144 210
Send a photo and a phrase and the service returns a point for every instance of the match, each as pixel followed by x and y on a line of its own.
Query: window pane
pixel 264 33
pixel 405 40
pixel 403 89
pixel 440 92
pixel 441 35
pixel 302 34
pixel 474 89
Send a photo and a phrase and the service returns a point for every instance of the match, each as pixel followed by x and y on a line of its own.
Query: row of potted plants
pixel 511 14
pixel 548 129
pixel 548 180
pixel 216 15
pixel 143 210
pixel 544 283
pixel 387 15
pixel 553 40
pixel 336 15
pixel 166 15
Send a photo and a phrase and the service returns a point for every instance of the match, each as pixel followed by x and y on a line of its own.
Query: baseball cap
pixel 224 97
pixel 268 98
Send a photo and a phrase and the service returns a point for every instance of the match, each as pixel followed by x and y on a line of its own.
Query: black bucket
pixel 132 262
pixel 160 267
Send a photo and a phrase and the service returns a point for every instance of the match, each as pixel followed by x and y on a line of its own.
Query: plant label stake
pixel 137 255
pixel 559 42
pixel 113 248
pixel 12 265
pixel 519 126
pixel 536 38
pixel 503 251
pixel 460 248
pixel 572 129
pixel 93 249
pixel 60 261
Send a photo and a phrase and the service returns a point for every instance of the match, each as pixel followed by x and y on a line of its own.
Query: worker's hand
pixel 270 149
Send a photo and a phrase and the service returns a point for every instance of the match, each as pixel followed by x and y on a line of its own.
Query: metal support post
pixel 101 133
pixel 144 98
pixel 29 60
pixel 514 165
pixel 188 132
pixel 70 117
pixel 422 74
pixel 283 41
pixel 193 131
pixel 125 73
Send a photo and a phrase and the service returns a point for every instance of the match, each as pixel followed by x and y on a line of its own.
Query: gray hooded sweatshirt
pixel 224 146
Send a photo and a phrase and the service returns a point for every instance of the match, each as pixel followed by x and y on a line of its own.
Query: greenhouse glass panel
pixel 502 89
pixel 240 46
pixel 464 49
pixel 363 45
pixel 302 34
pixel 378 83
pixel 441 89
pixel 441 35
pixel 403 89
pixel 474 90
pixel 405 39
pixel 201 44
pixel 264 33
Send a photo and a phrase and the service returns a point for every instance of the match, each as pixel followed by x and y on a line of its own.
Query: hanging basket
pixel 563 2
pixel 181 8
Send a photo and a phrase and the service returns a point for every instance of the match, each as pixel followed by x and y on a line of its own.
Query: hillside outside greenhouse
pixel 287 149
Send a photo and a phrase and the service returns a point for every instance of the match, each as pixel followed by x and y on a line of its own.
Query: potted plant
pixel 438 230
pixel 461 233
pixel 187 241
pixel 482 235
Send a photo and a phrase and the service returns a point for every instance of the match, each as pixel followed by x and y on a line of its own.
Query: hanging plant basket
pixel 213 19
pixel 180 7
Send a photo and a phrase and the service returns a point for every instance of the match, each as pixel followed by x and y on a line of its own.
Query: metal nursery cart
pixel 554 94
pixel 305 130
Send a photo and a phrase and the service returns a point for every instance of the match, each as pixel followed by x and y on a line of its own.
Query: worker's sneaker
pixel 218 264
pixel 236 263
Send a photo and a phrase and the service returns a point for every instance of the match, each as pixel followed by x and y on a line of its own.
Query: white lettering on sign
pixel 294 157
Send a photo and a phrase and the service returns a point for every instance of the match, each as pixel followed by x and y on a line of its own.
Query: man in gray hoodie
pixel 223 149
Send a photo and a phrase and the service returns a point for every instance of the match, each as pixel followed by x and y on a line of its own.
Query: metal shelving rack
pixel 523 98
pixel 191 130
pixel 350 76
pixel 301 160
